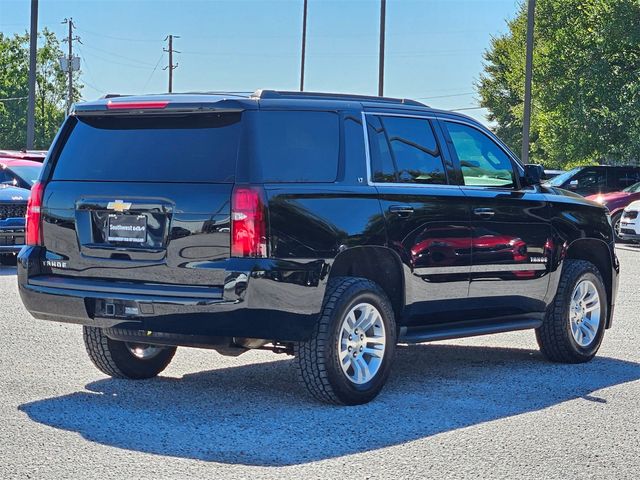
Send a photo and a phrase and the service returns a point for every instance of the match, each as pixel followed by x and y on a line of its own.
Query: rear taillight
pixel 34 219
pixel 248 223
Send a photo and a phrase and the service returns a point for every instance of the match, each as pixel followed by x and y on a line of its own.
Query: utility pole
pixel 383 21
pixel 71 63
pixel 526 120
pixel 171 67
pixel 304 44
pixel 33 48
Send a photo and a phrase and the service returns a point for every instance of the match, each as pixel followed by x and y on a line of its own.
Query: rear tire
pixel 571 333
pixel 348 358
pixel 124 360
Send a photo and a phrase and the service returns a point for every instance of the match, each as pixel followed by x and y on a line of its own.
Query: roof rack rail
pixel 265 94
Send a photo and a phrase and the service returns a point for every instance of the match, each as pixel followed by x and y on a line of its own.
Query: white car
pixel 630 223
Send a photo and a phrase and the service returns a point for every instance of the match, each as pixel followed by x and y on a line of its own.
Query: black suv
pixel 597 179
pixel 330 227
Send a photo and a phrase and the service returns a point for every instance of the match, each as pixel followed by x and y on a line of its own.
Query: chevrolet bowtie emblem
pixel 118 205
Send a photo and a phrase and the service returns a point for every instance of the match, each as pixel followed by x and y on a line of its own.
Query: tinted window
pixel 589 180
pixel 382 169
pixel 482 161
pixel 296 146
pixel 5 177
pixel 27 173
pixel 194 148
pixel 406 150
pixel 624 177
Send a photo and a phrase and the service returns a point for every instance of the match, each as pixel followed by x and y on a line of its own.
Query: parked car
pixel 616 203
pixel 629 228
pixel 329 227
pixel 33 155
pixel 597 179
pixel 13 207
pixel 19 173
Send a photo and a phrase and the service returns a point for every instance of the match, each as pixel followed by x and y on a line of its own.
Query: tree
pixel 586 92
pixel 51 90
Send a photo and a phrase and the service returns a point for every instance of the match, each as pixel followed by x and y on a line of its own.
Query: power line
pixel 114 62
pixel 112 37
pixel 447 96
pixel 467 108
pixel 153 71
pixel 117 55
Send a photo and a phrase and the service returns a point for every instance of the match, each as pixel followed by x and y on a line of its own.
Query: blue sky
pixel 433 53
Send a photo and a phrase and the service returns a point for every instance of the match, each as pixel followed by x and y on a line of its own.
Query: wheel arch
pixel 378 264
pixel 598 253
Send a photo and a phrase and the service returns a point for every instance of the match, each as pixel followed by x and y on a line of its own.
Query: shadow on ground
pixel 258 415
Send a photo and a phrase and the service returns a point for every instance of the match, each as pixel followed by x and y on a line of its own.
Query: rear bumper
pixel 261 298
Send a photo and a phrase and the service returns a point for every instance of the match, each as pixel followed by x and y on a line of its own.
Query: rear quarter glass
pixel 154 148
pixel 297 146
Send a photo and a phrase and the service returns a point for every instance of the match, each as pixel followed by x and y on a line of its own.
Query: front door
pixel 511 232
pixel 427 218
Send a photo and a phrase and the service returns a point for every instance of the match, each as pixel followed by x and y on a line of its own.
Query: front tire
pixel 348 358
pixel 125 360
pixel 574 325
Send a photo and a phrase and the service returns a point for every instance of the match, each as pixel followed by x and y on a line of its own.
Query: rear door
pixel 511 231
pixel 427 218
pixel 142 197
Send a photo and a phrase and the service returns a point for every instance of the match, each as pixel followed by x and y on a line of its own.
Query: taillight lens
pixel 34 220
pixel 248 223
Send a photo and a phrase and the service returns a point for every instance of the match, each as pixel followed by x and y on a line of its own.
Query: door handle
pixel 484 212
pixel 401 210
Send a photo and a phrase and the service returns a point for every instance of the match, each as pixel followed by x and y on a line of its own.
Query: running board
pixel 452 330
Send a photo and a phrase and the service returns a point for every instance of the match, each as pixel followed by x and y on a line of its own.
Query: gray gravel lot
pixel 487 407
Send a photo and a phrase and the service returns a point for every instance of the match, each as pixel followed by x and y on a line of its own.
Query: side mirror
pixel 533 174
pixel 573 185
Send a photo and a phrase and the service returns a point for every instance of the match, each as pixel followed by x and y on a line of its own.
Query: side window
pixel 298 146
pixel 625 178
pixel 405 150
pixel 382 169
pixel 589 180
pixel 482 161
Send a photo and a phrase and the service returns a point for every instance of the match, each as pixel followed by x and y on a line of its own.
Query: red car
pixel 33 155
pixel 616 202
pixel 19 173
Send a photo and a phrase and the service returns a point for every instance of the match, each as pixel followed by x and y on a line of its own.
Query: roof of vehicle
pixel 203 101
pixel 17 162
pixel 35 155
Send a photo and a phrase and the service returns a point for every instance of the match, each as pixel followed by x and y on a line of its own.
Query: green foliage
pixel 586 91
pixel 51 90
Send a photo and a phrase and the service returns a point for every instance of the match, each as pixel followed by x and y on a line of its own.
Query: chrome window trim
pixel 367 152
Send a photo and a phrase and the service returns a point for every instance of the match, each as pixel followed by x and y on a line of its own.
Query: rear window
pixel 193 148
pixel 298 146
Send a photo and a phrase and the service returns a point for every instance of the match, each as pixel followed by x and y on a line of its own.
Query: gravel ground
pixel 473 408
